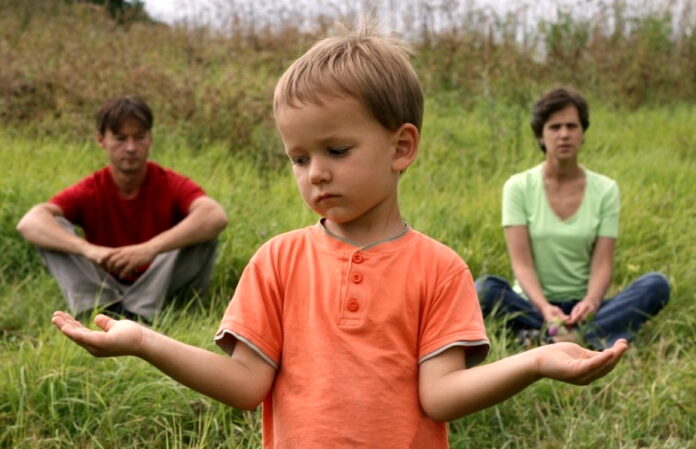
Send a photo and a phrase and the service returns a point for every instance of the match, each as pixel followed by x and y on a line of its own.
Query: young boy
pixel 358 331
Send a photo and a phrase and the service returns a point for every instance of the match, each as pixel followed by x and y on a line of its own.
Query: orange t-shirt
pixel 346 328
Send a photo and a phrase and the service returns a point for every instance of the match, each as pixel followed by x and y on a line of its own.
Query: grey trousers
pixel 183 272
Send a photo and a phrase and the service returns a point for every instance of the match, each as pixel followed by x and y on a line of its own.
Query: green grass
pixel 54 395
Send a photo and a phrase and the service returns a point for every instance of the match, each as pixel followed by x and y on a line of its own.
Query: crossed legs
pixel 617 317
pixel 184 272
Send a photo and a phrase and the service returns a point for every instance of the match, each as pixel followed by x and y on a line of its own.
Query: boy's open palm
pixel 242 380
pixel 119 337
pixel 574 364
pixel 449 391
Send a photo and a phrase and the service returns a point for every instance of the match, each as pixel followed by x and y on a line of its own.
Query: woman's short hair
pixel 553 101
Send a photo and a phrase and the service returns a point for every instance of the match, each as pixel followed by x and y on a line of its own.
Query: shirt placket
pixel 355 301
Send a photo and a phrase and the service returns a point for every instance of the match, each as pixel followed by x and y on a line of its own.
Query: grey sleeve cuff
pixel 476 352
pixel 221 339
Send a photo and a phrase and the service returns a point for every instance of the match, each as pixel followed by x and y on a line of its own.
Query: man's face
pixel 128 147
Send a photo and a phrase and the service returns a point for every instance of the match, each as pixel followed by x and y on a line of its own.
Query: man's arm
pixel 241 381
pixel 40 228
pixel 449 391
pixel 520 251
pixel 205 220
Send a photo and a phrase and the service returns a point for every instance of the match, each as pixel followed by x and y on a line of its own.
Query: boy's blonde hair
pixel 372 68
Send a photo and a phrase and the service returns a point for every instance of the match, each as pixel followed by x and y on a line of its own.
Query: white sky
pixel 526 12
pixel 171 11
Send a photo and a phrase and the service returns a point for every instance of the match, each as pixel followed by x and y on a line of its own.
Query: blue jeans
pixel 617 317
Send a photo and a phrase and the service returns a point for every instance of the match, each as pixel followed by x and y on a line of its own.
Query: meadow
pixel 211 97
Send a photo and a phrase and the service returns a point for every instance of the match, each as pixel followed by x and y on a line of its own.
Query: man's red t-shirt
pixel 108 219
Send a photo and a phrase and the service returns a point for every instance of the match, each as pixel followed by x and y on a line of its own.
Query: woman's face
pixel 562 134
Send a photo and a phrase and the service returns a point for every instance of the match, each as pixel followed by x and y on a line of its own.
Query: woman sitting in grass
pixel 561 222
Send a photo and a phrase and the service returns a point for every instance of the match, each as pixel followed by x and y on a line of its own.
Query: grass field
pixel 54 395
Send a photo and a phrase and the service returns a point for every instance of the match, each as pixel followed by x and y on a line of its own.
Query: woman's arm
pixel 519 249
pixel 241 381
pixel 600 278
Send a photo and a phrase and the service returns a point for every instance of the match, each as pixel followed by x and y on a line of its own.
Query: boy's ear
pixel 406 146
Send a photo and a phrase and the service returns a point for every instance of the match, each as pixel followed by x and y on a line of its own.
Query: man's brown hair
pixel 115 111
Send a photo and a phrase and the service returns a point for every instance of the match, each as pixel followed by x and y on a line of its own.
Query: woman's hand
pixel 582 311
pixel 120 337
pixel 553 314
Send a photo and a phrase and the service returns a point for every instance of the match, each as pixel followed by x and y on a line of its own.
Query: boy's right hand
pixel 120 337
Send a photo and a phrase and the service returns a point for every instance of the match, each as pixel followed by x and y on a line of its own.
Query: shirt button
pixel 356 278
pixel 353 305
pixel 358 258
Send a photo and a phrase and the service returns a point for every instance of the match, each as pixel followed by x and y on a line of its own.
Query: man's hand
pixel 119 337
pixel 582 311
pixel 95 253
pixel 122 261
pixel 574 364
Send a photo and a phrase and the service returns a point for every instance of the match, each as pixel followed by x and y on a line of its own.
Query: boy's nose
pixel 318 173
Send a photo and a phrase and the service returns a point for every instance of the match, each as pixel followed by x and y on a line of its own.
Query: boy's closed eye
pixel 337 151
pixel 332 152
pixel 299 160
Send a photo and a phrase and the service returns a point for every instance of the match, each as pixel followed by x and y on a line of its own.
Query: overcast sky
pixel 526 12
pixel 170 11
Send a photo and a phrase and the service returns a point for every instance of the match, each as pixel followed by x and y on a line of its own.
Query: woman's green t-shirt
pixel 561 249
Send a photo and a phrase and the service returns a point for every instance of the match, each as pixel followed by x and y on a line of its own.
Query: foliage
pixel 62 59
pixel 123 11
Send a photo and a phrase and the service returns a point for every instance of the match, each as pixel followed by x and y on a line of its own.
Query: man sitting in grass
pixel 149 233
pixel 357 331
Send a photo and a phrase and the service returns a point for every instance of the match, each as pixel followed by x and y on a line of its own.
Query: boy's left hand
pixel 571 363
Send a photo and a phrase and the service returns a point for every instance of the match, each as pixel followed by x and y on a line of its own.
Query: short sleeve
pixel 610 209
pixel 254 315
pixel 453 318
pixel 186 192
pixel 71 200
pixel 514 211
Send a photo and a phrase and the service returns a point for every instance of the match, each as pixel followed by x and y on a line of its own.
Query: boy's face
pixel 345 162
pixel 128 147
